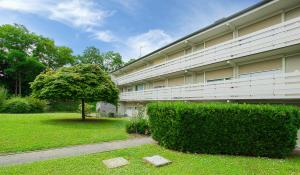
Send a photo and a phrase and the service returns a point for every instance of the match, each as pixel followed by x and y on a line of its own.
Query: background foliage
pixel 139 124
pixel 3 96
pixel 24 55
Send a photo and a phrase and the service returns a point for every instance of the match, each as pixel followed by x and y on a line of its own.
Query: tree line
pixel 24 55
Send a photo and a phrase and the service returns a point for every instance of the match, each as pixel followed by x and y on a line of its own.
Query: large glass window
pixel 139 87
pixel 218 80
pixel 159 86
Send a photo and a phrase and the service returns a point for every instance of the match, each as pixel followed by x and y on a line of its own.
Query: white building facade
pixel 251 56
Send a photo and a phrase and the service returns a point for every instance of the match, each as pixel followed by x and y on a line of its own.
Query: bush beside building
pixel 220 128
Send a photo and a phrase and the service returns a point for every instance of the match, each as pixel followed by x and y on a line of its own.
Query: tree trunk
pixel 82 109
pixel 16 87
pixel 20 84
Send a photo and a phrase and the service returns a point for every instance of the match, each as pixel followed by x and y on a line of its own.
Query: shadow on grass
pixel 87 123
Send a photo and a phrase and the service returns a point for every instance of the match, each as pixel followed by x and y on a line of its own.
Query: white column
pixel 167 82
pixel 282 16
pixel 235 33
pixel 235 71
pixel 194 77
pixel 283 64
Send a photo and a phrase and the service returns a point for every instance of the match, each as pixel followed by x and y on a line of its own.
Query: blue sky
pixel 119 25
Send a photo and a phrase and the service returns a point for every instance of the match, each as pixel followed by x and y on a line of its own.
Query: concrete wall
pixel 149 85
pixel 175 55
pixel 260 25
pixel 221 73
pixel 178 81
pixel 158 60
pixel 189 79
pixel 198 46
pixel 199 78
pixel 261 66
pixel 188 50
pixel 219 40
pixel 159 83
pixel 294 13
pixel 292 63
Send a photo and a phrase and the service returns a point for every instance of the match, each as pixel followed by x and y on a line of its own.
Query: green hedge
pixel 224 128
pixel 63 106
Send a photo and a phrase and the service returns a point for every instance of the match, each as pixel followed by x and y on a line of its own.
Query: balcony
pixel 278 86
pixel 275 37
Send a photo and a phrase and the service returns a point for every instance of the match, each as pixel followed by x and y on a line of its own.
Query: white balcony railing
pixel 277 36
pixel 278 86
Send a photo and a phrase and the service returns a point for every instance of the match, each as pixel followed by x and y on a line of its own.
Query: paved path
pixel 72 151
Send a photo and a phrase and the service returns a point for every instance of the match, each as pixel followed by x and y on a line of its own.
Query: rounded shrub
pixel 36 104
pixel 224 128
pixel 138 125
pixel 17 105
pixel 24 105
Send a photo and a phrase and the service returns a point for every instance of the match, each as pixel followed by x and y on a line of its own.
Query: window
pixel 159 86
pixel 218 80
pixel 139 87
pixel 257 74
pixel 129 89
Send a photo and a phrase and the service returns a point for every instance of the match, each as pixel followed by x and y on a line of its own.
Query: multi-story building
pixel 251 56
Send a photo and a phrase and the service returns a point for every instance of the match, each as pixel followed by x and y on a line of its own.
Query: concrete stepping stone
pixel 115 162
pixel 157 160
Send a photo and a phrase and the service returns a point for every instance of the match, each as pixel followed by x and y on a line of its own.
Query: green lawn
pixel 182 164
pixel 26 132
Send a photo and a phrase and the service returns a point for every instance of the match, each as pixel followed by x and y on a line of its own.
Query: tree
pixel 108 61
pixel 51 55
pixel 63 56
pixel 85 82
pixel 91 55
pixel 23 55
pixel 112 61
pixel 22 69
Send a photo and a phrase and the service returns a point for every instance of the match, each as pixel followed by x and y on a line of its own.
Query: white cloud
pixel 83 14
pixel 130 6
pixel 33 6
pixel 105 36
pixel 146 42
pixel 78 13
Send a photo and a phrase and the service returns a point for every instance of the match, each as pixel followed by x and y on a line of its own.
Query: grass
pixel 26 132
pixel 182 164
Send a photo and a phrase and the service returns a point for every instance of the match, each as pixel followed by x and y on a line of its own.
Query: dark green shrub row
pixel 224 128
pixel 88 108
pixel 3 96
pixel 23 105
pixel 138 125
pixel 63 106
